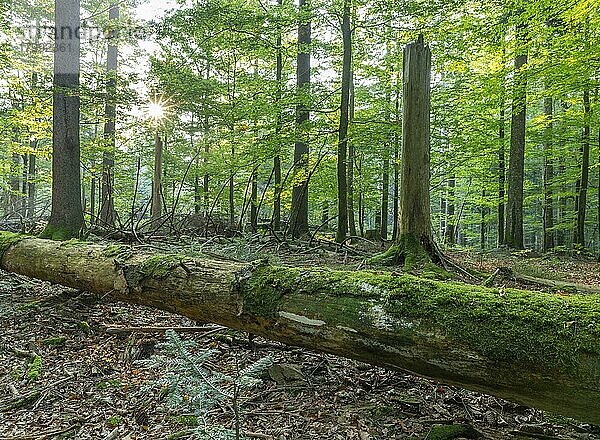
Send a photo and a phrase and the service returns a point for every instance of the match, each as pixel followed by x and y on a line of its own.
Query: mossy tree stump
pixel 415 245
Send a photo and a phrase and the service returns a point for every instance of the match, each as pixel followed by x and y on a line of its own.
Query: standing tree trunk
pixel 415 245
pixel 450 232
pixel 501 176
pixel 599 186
pixel 66 219
pixel 514 221
pixel 342 223
pixel 278 127
pixel 157 181
pixel 396 207
pixel 351 160
pixel 254 202
pixel 548 214
pixel 31 177
pixel 107 211
pixel 482 226
pixel 299 215
pixel 585 169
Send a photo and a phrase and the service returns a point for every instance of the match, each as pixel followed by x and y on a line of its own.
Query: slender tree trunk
pixel 396 167
pixel 361 205
pixel 254 202
pixel 585 169
pixel 342 223
pixel 548 208
pixel 157 181
pixel 599 185
pixel 24 186
pixel 206 178
pixel 278 127
pixel 385 184
pixel 501 151
pixel 450 234
pixel 483 225
pixel 351 160
pixel 325 216
pixel 516 170
pixel 31 184
pixel 299 214
pixel 501 177
pixel 93 184
pixel 107 212
pixel 232 191
pixel 66 219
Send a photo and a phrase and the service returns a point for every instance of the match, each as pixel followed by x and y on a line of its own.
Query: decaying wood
pixel 536 349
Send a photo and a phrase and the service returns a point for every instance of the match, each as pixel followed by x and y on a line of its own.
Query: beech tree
pixel 66 218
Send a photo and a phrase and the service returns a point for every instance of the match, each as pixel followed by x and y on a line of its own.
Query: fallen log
pixel 536 349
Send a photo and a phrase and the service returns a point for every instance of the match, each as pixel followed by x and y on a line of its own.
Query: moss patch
pixel 448 432
pixel 512 325
pixel 59 233
pixel 118 251
pixel 160 266
pixel 413 254
pixel 7 239
pixel 35 369
pixel 55 342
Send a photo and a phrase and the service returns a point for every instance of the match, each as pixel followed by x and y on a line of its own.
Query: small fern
pixel 192 384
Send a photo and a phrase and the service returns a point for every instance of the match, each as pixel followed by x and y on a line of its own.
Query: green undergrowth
pixel 504 325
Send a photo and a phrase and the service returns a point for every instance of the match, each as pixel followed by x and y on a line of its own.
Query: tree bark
pixel 450 233
pixel 415 245
pixel 156 210
pixel 278 127
pixel 585 170
pixel 107 211
pixel 31 182
pixel 532 348
pixel 342 182
pixel 516 170
pixel 351 159
pixel 66 218
pixel 299 215
pixel 501 177
pixel 548 175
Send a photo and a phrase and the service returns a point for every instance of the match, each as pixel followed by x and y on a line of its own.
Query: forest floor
pixel 65 372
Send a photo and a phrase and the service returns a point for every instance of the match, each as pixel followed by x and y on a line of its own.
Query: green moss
pixel 7 239
pixel 188 420
pixel 106 384
pixel 178 435
pixel 160 266
pixel 55 342
pixel 448 432
pixel 32 305
pixel 59 233
pixel 410 253
pixel 35 369
pixel 118 251
pixel 84 327
pixel 114 421
pixel 528 327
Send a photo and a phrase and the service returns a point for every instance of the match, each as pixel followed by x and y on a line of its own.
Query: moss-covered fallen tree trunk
pixel 536 349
